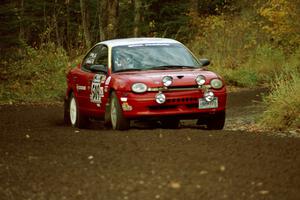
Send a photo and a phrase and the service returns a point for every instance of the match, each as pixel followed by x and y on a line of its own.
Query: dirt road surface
pixel 41 158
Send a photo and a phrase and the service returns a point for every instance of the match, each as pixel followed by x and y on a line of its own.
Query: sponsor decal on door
pixel 96 89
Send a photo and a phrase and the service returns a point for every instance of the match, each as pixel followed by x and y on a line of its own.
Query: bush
pixel 265 62
pixel 37 75
pixel 283 103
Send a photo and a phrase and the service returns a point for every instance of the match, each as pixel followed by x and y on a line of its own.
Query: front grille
pixel 193 105
pixel 184 87
pixel 162 107
pixel 174 103
pixel 182 100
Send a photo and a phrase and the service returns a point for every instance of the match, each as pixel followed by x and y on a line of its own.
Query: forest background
pixel 250 43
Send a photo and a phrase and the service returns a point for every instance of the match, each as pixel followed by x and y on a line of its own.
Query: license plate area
pixel 203 104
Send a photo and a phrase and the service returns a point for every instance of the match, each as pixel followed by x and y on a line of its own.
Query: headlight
pixel 209 96
pixel 139 87
pixel 200 80
pixel 216 83
pixel 160 98
pixel 167 81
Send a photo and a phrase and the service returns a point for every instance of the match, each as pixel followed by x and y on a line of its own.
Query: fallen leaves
pixel 222 168
pixel 175 185
pixel 264 192
pixel 91 159
pixel 203 172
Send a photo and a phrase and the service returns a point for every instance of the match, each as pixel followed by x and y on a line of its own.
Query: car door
pixel 89 84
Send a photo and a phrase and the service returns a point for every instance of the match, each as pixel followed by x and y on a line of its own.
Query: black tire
pixel 170 123
pixel 216 122
pixel 66 112
pixel 118 121
pixel 107 116
pixel 73 115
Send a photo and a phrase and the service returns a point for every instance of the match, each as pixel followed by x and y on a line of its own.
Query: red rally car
pixel 144 78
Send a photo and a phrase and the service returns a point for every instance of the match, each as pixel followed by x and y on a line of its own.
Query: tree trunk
pixel 85 22
pixel 22 31
pixel 58 42
pixel 112 19
pixel 137 17
pixel 102 17
pixel 68 41
pixel 194 8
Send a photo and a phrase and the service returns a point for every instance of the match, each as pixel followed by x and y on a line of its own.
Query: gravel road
pixel 41 158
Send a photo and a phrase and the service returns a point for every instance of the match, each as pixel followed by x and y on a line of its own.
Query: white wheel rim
pixel 73 111
pixel 113 114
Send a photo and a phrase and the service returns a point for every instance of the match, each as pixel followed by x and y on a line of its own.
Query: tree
pixel 112 19
pixel 85 22
pixel 282 21
pixel 137 17
pixel 194 7
pixel 102 18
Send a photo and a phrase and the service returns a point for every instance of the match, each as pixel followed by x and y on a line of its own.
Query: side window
pixel 97 56
pixel 102 57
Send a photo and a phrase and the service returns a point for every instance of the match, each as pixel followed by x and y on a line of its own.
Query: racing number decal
pixel 96 89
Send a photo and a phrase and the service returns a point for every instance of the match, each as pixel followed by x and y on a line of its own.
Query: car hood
pixel 153 78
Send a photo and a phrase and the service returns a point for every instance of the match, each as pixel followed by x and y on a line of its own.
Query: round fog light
pixel 167 80
pixel 160 98
pixel 209 96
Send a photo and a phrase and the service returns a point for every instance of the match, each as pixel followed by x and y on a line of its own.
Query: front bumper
pixel 180 104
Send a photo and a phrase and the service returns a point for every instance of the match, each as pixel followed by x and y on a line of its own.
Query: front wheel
pixel 118 121
pixel 216 121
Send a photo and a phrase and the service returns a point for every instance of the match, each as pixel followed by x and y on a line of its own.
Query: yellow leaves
pixel 282 20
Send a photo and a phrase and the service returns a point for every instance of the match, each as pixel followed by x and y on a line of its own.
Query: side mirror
pixel 98 68
pixel 204 62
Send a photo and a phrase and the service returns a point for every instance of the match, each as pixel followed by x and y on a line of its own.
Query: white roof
pixel 136 41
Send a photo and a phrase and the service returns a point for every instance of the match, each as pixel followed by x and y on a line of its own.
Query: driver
pixel 122 61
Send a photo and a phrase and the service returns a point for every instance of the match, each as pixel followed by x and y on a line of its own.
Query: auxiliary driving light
pixel 209 96
pixel 167 80
pixel 160 98
pixel 200 80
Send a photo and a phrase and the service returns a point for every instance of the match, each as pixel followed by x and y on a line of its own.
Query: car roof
pixel 136 41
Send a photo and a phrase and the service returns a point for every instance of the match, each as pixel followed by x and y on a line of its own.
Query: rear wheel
pixel 118 121
pixel 216 121
pixel 67 112
pixel 76 119
pixel 170 123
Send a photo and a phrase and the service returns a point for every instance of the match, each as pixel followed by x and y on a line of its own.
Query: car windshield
pixel 151 56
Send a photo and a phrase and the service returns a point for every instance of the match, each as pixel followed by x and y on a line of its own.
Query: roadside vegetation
pixel 250 46
pixel 34 75
pixel 283 103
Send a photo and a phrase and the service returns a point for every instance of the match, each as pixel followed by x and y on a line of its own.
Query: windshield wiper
pixel 128 70
pixel 166 67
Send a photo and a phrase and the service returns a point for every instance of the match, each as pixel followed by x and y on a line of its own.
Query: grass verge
pixel 283 103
